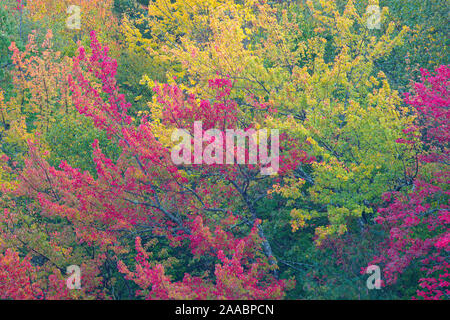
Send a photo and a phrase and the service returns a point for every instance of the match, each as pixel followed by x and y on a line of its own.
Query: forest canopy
pixel 224 149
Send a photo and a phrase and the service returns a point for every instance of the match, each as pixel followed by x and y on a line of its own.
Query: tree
pixel 62 17
pixel 417 220
pixel 142 193
pixel 316 82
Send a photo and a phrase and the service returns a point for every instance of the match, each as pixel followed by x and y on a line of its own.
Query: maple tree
pixel 148 192
pixel 418 220
pixel 315 90
pixel 71 21
pixel 41 81
pixel 89 122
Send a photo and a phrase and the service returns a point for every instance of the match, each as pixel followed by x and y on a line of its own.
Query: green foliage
pixel 425 46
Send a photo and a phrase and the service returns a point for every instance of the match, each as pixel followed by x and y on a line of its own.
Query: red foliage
pixel 143 190
pixel 418 221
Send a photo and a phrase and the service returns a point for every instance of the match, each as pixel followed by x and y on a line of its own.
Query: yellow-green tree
pixel 312 65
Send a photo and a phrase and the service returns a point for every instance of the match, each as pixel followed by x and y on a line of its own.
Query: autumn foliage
pixel 87 176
